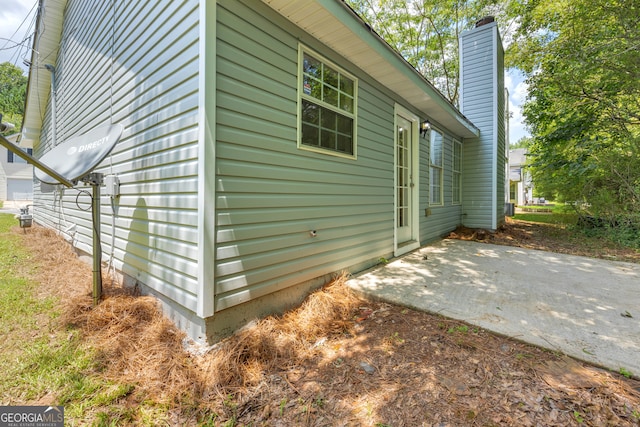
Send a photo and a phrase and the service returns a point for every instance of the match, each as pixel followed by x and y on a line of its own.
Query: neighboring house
pixel 16 176
pixel 520 184
pixel 267 146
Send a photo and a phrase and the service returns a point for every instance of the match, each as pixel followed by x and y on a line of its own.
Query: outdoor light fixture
pixel 424 128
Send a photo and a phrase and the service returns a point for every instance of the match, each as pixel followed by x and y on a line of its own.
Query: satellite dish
pixel 78 156
pixel 74 160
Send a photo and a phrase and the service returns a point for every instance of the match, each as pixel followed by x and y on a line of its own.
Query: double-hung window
pixel 435 168
pixel 12 158
pixel 457 173
pixel 328 105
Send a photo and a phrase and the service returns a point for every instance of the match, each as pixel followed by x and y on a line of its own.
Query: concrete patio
pixel 586 308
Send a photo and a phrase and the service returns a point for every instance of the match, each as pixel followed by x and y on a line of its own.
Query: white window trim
pixel 301 50
pixel 441 168
pixel 454 171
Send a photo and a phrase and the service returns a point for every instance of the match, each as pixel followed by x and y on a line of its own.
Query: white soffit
pixel 45 51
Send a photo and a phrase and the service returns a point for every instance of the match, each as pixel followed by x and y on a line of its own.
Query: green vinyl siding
pixel 134 63
pixel 445 218
pixel 269 193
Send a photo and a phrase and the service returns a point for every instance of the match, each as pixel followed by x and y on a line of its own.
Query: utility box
pixel 111 186
pixel 511 209
pixel 25 218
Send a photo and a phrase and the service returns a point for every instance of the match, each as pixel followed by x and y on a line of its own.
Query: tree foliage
pixel 583 67
pixel 13 88
pixel 523 142
pixel 426 32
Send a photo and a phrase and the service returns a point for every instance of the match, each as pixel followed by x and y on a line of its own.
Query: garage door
pixel 19 189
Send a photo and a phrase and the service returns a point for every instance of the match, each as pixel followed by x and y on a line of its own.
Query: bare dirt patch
pixel 338 360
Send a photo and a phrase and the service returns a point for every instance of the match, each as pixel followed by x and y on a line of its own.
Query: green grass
pixel 552 218
pixel 15 290
pixel 565 215
pixel 538 208
pixel 46 362
pixel 561 214
pixel 40 357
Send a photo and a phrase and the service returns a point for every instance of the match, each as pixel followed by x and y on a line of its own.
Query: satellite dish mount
pixel 73 161
pixel 95 180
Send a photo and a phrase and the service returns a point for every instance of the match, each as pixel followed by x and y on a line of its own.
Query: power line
pixel 19 26
pixel 21 48
pixel 15 44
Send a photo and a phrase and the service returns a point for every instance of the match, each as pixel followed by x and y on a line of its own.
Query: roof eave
pixel 46 42
pixel 336 25
pixel 375 57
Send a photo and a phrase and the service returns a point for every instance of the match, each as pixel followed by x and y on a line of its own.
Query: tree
pixel 426 32
pixel 13 89
pixel 523 142
pixel 583 67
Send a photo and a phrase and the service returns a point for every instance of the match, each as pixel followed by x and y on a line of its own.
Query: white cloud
pixel 520 92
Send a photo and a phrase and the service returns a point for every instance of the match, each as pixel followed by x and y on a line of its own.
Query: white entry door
pixel 405 183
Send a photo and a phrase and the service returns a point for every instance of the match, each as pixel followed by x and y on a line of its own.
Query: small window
pixel 457 173
pixel 435 168
pixel 328 105
pixel 12 158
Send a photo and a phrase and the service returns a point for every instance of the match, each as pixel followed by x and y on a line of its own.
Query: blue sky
pixel 514 81
pixel 17 21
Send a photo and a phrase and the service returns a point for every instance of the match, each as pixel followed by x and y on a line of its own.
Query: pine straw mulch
pixel 337 360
